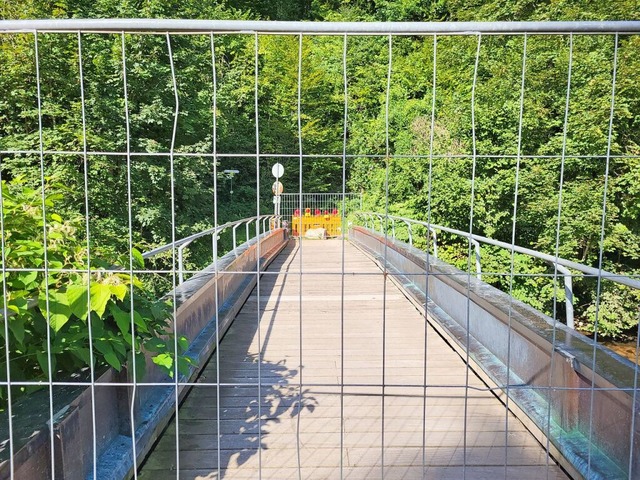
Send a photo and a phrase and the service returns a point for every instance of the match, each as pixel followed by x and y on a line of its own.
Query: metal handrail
pixel 562 264
pixel 317 28
pixel 214 232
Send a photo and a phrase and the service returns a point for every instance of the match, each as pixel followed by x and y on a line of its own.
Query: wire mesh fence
pixel 120 136
pixel 318 210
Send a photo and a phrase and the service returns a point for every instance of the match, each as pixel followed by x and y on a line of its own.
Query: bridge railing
pixel 386 225
pixel 267 222
pixel 573 393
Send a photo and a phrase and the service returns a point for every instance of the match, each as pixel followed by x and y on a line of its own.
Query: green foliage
pixel 403 177
pixel 57 311
pixel 439 188
pixel 615 312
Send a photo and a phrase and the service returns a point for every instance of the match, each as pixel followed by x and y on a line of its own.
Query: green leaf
pixel 43 361
pixel 118 345
pixel 56 217
pixel 119 291
pixel 183 343
pixel 82 354
pixel 137 258
pixel 155 345
pixel 51 199
pixel 112 359
pixel 103 346
pixel 78 300
pixel 122 318
pixel 140 322
pixel 20 304
pixel 184 365
pixel 158 310
pixel 165 361
pixel 16 325
pixel 27 278
pixel 59 310
pixel 141 365
pixel 100 295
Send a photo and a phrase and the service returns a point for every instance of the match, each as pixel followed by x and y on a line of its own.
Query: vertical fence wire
pixel 386 239
pixel 45 244
pixel 85 163
pixel 471 205
pixel 134 379
pixel 5 313
pixel 257 114
pixel 434 77
pixel 300 364
pixel 214 141
pixel 601 251
pixel 300 249
pixel 134 383
pixel 554 332
pixel 512 258
pixel 343 245
pixel 174 300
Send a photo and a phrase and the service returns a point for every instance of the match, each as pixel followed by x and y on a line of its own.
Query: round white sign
pixel 277 170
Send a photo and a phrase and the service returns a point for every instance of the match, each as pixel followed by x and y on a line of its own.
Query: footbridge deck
pixel 322 376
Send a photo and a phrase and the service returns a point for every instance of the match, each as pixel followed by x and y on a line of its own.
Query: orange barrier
pixel 331 222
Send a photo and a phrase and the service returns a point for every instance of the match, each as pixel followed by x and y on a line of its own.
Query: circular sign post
pixel 277 170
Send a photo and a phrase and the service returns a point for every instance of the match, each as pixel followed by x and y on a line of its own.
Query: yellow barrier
pixel 331 223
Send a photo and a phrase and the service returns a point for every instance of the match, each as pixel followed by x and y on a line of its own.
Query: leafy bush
pixel 616 313
pixel 54 306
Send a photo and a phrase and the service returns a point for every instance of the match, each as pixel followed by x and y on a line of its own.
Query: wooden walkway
pixel 342 425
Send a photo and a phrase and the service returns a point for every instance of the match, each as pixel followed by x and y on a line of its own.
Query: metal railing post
pixel 247 229
pixel 476 247
pixel 568 293
pixel 181 263
pixel 435 243
pixel 235 239
pixel 214 245
pixel 410 232
pixel 393 228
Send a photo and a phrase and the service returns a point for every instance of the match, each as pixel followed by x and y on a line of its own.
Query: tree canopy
pixel 524 142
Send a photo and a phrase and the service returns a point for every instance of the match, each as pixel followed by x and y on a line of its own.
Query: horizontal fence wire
pixel 338 309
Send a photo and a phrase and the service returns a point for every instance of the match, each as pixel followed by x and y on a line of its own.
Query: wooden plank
pixel 371 335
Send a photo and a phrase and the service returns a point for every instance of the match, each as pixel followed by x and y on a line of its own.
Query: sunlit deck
pixel 330 335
